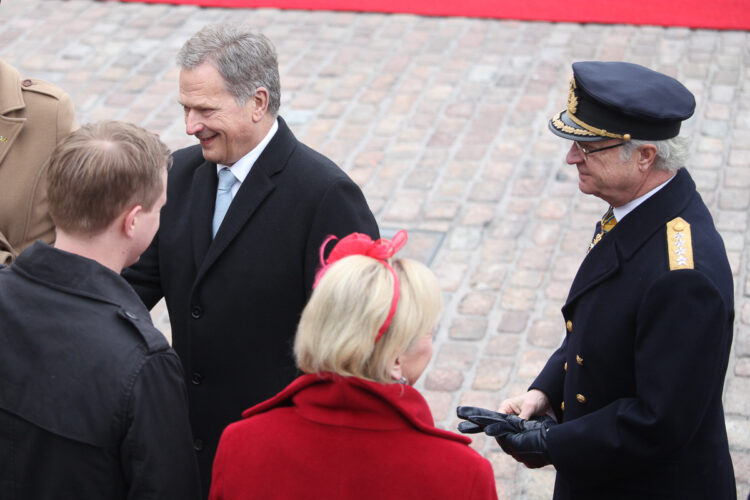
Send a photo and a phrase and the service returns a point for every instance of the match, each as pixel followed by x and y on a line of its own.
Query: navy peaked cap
pixel 624 101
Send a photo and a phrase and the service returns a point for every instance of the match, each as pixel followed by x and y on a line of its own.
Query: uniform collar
pixel 651 214
pixel 621 212
pixel 11 97
pixel 76 275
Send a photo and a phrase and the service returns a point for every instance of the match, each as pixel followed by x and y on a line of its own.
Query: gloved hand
pixel 524 440
pixel 477 419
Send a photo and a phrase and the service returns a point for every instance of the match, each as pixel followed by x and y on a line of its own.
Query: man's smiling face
pixel 225 128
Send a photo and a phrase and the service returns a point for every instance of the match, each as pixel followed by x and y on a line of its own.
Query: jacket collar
pixel 651 215
pixel 76 275
pixel 11 97
pixel 258 184
pixel 624 240
pixel 357 403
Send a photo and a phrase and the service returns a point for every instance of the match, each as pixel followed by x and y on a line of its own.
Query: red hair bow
pixel 362 244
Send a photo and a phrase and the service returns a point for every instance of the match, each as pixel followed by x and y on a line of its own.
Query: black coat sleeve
pixel 342 210
pixel 144 276
pixel 157 454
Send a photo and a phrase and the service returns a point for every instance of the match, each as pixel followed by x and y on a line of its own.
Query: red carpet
pixel 712 14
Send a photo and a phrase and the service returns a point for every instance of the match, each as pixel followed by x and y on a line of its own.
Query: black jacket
pixel 234 302
pixel 642 366
pixel 92 401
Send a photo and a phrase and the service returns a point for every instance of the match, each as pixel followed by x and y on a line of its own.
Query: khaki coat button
pixel 579 360
pixel 581 398
pixel 565 366
pixel 562 406
pixel 27 83
pixel 569 325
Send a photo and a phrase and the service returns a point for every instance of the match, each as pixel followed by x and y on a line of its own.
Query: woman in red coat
pixel 353 427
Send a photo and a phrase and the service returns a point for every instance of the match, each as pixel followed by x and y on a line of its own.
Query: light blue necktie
pixel 223 197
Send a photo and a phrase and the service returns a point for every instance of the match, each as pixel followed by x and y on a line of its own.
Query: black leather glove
pixel 477 419
pixel 525 440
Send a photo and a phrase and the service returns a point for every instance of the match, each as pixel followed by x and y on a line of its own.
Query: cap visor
pixel 563 126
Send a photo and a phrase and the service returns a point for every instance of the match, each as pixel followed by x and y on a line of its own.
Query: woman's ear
pixel 396 372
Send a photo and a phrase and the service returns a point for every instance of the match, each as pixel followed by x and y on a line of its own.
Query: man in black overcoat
pixel 636 386
pixel 92 398
pixel 237 250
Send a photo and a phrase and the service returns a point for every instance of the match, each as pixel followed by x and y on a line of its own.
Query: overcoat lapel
pixel 600 263
pixel 202 200
pixel 629 235
pixel 256 187
pixel 11 99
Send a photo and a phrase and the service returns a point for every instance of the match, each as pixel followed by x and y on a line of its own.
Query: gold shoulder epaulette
pixel 679 244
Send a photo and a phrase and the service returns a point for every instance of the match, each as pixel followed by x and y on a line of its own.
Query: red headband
pixel 362 244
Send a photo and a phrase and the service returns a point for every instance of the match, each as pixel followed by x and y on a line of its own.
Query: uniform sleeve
pixel 144 276
pixel 551 379
pixel 157 454
pixel 682 345
pixel 342 210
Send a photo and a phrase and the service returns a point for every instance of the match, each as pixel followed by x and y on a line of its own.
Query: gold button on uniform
pixel 581 398
pixel 562 406
pixel 579 360
pixel 569 325
pixel 565 366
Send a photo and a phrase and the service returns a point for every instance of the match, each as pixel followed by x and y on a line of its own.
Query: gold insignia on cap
pixel 560 125
pixel 679 244
pixel 3 139
pixel 572 98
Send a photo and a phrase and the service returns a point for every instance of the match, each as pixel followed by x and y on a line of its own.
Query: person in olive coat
pixel 636 386
pixel 34 116
pixel 92 400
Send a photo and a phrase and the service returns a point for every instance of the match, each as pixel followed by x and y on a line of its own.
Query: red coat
pixel 333 437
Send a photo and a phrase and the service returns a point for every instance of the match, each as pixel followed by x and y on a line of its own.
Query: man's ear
pixel 646 156
pixel 130 219
pixel 259 104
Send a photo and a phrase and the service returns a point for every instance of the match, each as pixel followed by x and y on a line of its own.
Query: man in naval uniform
pixel 635 388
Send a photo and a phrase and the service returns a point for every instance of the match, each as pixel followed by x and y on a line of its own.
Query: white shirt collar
pixel 242 167
pixel 621 212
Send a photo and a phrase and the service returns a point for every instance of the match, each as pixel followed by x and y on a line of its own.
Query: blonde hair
pixel 101 169
pixel 340 322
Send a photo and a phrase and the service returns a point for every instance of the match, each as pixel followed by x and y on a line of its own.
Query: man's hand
pixel 532 404
pixel 524 440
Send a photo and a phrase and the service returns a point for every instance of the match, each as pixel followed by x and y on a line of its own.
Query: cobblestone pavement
pixel 443 123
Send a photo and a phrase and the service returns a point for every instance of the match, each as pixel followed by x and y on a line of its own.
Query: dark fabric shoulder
pixel 187 158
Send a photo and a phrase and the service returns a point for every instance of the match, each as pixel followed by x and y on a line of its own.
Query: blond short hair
pixel 102 169
pixel 340 322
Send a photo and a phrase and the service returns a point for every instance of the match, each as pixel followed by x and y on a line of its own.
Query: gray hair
pixel 671 154
pixel 245 59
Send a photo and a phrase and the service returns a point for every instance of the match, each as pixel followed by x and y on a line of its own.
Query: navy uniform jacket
pixel 92 401
pixel 641 370
pixel 234 302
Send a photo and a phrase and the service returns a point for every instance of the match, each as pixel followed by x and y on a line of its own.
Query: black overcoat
pixel 92 398
pixel 234 301
pixel 642 366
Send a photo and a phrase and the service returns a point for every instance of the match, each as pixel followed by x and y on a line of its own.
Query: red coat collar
pixel 354 402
